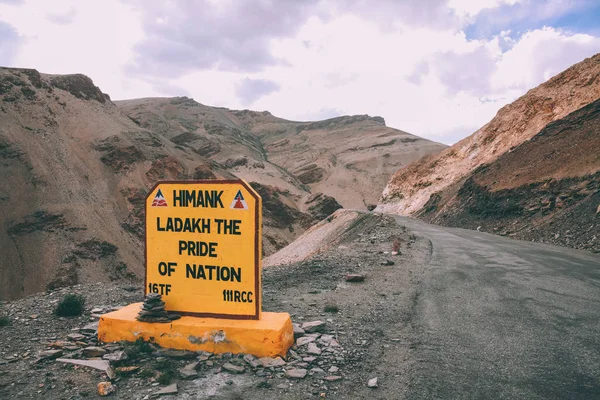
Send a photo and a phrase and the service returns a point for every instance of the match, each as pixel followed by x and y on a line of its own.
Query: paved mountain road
pixel 497 318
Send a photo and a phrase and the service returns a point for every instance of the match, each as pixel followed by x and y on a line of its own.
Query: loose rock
pixel 235 369
pixel 372 383
pixel 117 356
pixel 296 373
pixel 271 362
pixel 93 351
pixel 50 355
pixel 313 349
pixel 304 340
pixel 171 389
pixel 298 331
pixel 105 388
pixel 314 326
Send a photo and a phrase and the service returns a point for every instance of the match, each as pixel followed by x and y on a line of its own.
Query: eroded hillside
pixel 348 158
pixel 530 173
pixel 546 189
pixel 411 187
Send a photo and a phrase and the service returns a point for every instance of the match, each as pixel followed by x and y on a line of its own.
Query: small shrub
pixel 167 371
pixel 165 377
pixel 136 349
pixel 146 373
pixel 4 321
pixel 70 306
pixel 331 308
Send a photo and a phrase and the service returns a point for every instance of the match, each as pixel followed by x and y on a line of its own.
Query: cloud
pixel 522 16
pixel 539 55
pixel 65 18
pixel 415 63
pixel 9 43
pixel 249 90
pixel 181 37
pixel 470 72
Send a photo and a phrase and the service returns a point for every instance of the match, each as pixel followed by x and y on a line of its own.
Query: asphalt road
pixel 498 318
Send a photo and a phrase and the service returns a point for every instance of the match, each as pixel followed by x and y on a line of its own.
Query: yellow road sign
pixel 203 248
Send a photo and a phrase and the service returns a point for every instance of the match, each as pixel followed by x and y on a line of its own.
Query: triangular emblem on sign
pixel 238 202
pixel 159 200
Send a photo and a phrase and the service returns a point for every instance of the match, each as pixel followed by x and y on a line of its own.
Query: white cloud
pixel 473 7
pixel 430 80
pixel 96 39
pixel 539 55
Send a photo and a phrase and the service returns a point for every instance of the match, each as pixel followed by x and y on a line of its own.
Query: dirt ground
pixel 366 333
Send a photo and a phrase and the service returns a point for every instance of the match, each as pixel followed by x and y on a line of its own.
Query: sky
pixel 439 69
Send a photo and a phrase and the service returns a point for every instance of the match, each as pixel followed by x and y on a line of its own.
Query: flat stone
pixel 317 370
pixel 355 278
pixel 313 349
pixel 97 310
pixel 90 329
pixel 296 373
pixel 314 326
pixel 50 355
pixel 294 355
pixel 116 356
pixel 333 378
pixel 298 331
pixel 252 360
pixel 304 340
pixel 333 369
pixel 101 365
pixel 188 374
pixel 235 369
pixel 94 351
pixel 59 344
pixel 271 362
pixel 325 339
pixel 75 337
pixel 171 389
pixel 105 388
pixel 372 383
pixel 387 262
pixel 177 354
pixel 309 359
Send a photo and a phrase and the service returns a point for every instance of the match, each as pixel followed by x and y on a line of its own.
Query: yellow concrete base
pixel 270 336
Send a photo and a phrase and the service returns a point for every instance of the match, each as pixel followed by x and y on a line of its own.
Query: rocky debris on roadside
pixel 372 383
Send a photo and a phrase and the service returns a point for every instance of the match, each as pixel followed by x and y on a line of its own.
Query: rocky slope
pixel 411 187
pixel 75 169
pixel 348 158
pixel 531 172
pixel 546 189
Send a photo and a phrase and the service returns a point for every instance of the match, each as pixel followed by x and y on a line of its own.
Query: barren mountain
pixel 411 187
pixel 75 170
pixel 531 172
pixel 349 158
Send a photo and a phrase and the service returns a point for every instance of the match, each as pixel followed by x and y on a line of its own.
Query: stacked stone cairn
pixel 153 310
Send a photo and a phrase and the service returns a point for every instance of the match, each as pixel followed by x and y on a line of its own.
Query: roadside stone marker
pixel 203 257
